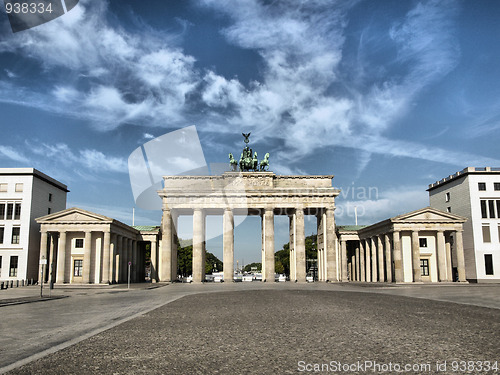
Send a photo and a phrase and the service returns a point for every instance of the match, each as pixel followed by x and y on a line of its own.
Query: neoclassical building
pixel 79 246
pixel 250 193
pixel 421 246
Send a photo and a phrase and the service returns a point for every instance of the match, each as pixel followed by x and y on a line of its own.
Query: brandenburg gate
pixel 249 193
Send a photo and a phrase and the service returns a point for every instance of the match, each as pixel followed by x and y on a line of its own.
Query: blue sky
pixel 386 95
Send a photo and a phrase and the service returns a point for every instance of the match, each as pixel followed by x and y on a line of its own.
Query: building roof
pixel 350 228
pixel 146 228
pixel 464 172
pixel 33 172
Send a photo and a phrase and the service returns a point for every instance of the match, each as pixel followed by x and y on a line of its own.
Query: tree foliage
pixel 185 261
pixel 248 267
pixel 282 257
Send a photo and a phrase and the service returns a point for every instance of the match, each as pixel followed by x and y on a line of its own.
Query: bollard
pixel 17 283
pixel 1 285
pixel 31 281
pixel 12 283
pixel 22 282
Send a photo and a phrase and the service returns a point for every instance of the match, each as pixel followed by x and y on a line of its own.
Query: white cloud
pixel 95 161
pixel 9 153
pixel 373 206
pixel 10 73
pixel 303 99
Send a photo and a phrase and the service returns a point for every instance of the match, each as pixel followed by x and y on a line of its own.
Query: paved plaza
pixel 264 328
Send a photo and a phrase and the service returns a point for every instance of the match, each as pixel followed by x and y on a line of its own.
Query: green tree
pixel 185 261
pixel 210 261
pixel 248 267
pixel 282 257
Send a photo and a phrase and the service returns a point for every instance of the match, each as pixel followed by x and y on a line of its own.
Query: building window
pixel 424 267
pixel 50 197
pixel 2 211
pixel 78 269
pixel 3 188
pixel 15 235
pixel 10 211
pixel 496 186
pixel 422 242
pixel 448 209
pixel 481 186
pixel 79 243
pixel 13 266
pixel 2 232
pixel 484 210
pixel 486 233
pixel 19 188
pixel 488 264
pixel 48 211
pixel 447 197
pixel 491 205
pixel 17 211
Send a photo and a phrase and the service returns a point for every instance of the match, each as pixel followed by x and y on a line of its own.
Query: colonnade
pixel 105 256
pixel 379 258
pixel 326 244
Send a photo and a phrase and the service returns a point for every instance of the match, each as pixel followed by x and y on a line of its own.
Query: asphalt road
pixel 285 331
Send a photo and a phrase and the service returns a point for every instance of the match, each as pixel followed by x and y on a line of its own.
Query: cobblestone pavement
pixel 280 329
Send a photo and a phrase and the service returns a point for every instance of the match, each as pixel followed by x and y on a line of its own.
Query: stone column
pixel 388 260
pixel 300 246
pixel 61 258
pixel 291 242
pixel 87 249
pixel 52 245
pixel 124 259
pixel 415 257
pixel 353 267
pixel 112 256
pixel 449 261
pixel 154 261
pixel 268 271
pixel 106 256
pixel 368 262
pixel 356 263
pixel 320 225
pixel 198 264
pixel 175 219
pixel 343 252
pixel 118 254
pixel 374 260
pixel 398 257
pixel 228 245
pixel 330 249
pixel 380 247
pixel 43 254
pixel 166 247
pixel 441 255
pixel 362 256
pixel 459 246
